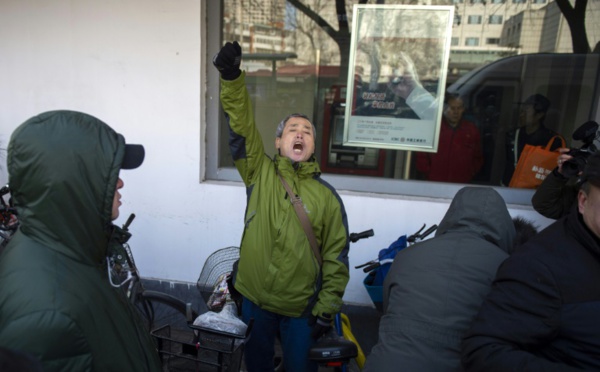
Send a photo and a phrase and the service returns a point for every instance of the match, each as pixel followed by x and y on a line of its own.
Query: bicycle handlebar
pixel 374 264
pixel 416 236
pixel 354 237
pixel 128 222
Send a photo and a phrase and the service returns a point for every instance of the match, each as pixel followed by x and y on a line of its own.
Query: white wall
pixel 139 66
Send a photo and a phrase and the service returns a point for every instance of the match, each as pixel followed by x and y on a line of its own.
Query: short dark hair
pixel 449 96
pixel 539 102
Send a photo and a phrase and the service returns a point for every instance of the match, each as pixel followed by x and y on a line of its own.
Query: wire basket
pixel 219 263
pixel 202 349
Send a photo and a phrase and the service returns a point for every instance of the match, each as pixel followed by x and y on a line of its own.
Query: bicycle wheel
pixel 159 309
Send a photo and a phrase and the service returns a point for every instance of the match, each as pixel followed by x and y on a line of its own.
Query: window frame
pixel 357 185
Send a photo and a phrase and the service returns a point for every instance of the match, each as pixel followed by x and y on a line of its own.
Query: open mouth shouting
pixel 297 140
pixel 298 147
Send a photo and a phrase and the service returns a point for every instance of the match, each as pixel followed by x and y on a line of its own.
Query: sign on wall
pixel 397 75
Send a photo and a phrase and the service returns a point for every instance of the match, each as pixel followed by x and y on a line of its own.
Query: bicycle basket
pixel 201 350
pixel 219 263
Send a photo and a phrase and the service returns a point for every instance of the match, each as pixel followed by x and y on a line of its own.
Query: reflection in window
pixel 294 65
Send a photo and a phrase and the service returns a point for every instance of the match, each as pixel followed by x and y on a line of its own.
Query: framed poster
pixel 397 76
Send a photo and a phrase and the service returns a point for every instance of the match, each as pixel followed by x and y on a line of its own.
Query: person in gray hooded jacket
pixel 435 288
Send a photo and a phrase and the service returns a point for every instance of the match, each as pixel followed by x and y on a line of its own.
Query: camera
pixel 589 134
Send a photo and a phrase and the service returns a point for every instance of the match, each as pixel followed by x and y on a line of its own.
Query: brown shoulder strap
pixel 304 221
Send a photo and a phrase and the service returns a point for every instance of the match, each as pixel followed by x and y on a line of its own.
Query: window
pixel 497 1
pixel 519 1
pixel 478 2
pixel 474 20
pixel 495 19
pixel 472 41
pixel 457 19
pixel 286 82
pixel 539 1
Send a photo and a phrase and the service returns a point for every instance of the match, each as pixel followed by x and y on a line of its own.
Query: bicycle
pixel 9 220
pixel 199 346
pixel 338 347
pixel 123 273
pixel 378 268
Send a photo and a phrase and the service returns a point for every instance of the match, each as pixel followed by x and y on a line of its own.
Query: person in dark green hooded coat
pixel 56 302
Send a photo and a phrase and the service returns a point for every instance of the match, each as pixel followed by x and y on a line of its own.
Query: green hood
pixel 56 302
pixel 63 160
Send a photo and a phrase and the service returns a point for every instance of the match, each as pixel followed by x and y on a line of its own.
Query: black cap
pixel 134 156
pixel 539 102
pixel 591 172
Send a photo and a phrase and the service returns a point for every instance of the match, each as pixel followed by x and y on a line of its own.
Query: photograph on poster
pixel 399 57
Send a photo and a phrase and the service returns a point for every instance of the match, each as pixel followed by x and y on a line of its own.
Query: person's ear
pixel 581 200
pixel 277 142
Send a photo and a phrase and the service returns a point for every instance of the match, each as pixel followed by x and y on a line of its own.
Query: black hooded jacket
pixel 542 311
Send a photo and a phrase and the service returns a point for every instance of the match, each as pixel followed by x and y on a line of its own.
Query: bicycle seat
pixel 332 348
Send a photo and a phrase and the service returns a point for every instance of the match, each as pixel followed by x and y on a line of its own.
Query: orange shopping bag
pixel 535 163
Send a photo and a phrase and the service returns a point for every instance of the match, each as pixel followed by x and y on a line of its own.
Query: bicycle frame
pixel 9 221
pixel 123 273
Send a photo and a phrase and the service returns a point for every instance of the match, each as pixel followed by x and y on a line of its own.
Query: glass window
pixel 497 1
pixel 472 41
pixel 474 19
pixel 519 1
pixel 539 1
pixel 495 19
pixel 294 64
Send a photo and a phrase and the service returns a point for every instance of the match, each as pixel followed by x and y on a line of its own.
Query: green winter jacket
pixel 278 270
pixel 56 302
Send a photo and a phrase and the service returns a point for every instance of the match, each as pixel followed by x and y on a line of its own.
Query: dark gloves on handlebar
pixel 319 325
pixel 228 61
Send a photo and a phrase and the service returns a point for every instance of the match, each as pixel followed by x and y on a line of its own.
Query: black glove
pixel 319 325
pixel 228 61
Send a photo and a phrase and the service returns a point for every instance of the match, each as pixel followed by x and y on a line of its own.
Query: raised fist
pixel 228 61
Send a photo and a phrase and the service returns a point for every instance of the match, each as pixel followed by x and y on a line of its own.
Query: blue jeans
pixel 260 349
